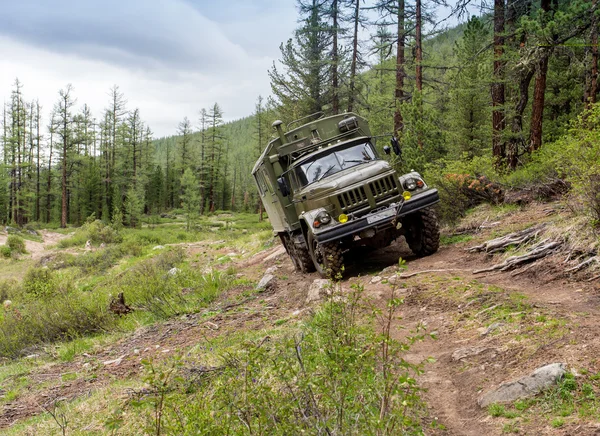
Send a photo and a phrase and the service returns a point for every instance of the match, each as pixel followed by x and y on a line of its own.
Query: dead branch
pixel 539 250
pixel 582 264
pixel 512 239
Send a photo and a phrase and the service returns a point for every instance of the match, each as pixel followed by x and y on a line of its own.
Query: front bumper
pixel 352 227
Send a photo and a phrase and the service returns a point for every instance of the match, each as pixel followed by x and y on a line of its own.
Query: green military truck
pixel 327 191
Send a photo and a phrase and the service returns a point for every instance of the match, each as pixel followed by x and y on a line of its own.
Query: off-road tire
pixel 300 256
pixel 327 258
pixel 423 232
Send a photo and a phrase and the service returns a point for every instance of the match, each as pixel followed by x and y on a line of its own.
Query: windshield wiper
pixel 326 172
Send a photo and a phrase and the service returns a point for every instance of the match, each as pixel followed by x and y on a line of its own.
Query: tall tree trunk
pixel 419 67
pixel 517 139
pixel 539 90
pixel 353 65
pixel 497 88
pixel 418 47
pixel 335 97
pixel 593 88
pixel 516 143
pixel 399 91
pixel 63 209
pixel 37 165
pixel 49 183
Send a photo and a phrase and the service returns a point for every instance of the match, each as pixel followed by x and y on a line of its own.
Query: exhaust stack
pixel 277 125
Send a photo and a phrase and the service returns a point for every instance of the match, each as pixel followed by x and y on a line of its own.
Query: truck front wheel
pixel 423 232
pixel 327 257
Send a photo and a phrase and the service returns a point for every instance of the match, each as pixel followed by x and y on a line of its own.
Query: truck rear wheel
pixel 327 258
pixel 423 232
pixel 299 255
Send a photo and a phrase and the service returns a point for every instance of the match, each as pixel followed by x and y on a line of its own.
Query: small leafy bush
pixel 64 316
pixel 96 232
pixel 336 374
pixel 16 244
pixel 39 283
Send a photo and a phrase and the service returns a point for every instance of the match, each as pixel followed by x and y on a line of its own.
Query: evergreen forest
pixel 496 96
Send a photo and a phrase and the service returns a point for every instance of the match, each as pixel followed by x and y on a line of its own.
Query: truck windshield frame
pixel 332 161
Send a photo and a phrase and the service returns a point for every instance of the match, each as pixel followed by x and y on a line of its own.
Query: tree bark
pixel 419 66
pixel 335 98
pixel 593 89
pixel 399 91
pixel 497 88
pixel 353 66
pixel 539 90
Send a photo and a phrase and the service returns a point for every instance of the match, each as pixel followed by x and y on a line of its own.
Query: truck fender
pixel 307 219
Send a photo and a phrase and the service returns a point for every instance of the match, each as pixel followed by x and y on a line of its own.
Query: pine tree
pixel 302 87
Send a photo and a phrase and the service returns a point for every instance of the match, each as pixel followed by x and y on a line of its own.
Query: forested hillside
pixel 488 93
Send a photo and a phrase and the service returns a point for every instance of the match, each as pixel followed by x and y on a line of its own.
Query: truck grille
pixel 353 199
pixel 381 190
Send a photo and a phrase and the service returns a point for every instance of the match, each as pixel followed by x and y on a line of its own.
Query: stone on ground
pixel 267 281
pixel 525 387
pixel 317 289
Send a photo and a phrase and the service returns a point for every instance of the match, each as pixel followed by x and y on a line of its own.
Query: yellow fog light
pixel 343 218
pixel 406 195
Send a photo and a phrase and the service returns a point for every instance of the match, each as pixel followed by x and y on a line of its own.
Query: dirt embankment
pixel 490 327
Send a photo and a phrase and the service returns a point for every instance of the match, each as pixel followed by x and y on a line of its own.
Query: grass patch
pixel 454 239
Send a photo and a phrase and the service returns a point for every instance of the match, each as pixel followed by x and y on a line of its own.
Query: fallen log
pixel 539 250
pixel 512 239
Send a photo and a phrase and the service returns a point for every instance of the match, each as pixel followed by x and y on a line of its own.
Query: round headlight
pixel 324 218
pixel 410 184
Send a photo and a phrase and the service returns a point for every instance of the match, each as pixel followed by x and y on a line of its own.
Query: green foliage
pixel 190 197
pixel 96 232
pixel 462 184
pixel 16 244
pixel 325 376
pixel 57 313
pixel 577 161
pixel 39 283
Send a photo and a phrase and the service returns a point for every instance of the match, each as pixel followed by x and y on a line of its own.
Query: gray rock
pixel 463 353
pixel 376 280
pixel 525 387
pixel 266 282
pixel 389 270
pixel 173 271
pixel 317 289
pixel 158 247
pixel 271 270
pixel 393 279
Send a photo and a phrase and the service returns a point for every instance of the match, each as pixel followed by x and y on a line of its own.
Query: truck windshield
pixel 330 163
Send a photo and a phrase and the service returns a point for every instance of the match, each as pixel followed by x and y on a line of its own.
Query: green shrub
pixel 331 369
pixel 96 232
pixel 16 244
pixel 39 283
pixel 5 251
pixel 64 316
pixel 462 185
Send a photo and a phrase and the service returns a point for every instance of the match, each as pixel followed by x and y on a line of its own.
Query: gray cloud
pixel 148 33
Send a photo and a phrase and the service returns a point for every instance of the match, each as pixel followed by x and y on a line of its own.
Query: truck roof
pixel 308 138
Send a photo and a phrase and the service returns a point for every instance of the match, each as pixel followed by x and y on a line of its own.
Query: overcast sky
pixel 169 57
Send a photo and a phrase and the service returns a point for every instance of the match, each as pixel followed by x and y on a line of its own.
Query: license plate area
pixel 380 216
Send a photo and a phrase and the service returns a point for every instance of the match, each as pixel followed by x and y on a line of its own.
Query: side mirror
pixel 396 145
pixel 387 150
pixel 283 187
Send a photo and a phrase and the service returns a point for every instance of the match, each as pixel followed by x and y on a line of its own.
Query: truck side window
pixel 260 179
